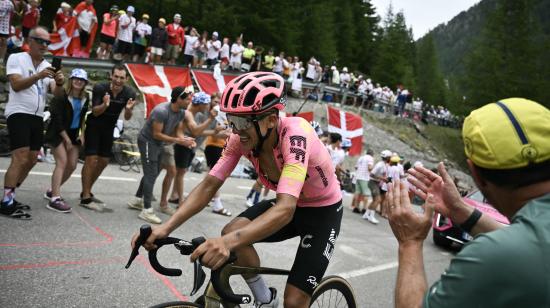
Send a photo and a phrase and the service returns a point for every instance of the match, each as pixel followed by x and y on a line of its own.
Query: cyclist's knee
pixel 295 298
pixel 237 223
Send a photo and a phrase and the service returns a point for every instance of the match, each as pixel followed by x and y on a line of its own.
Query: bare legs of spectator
pixel 104 51
pixel 167 183
pixel 65 164
pixel 92 169
pixel 22 161
pixel 177 188
pixel 3 48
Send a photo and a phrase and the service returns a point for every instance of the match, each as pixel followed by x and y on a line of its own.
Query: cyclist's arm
pixel 194 203
pixel 266 224
pixel 411 282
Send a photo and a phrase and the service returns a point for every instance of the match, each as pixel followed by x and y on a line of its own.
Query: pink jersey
pixel 306 167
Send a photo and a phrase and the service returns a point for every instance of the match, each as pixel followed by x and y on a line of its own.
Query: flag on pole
pixel 62 43
pixel 209 82
pixel 348 125
pixel 156 82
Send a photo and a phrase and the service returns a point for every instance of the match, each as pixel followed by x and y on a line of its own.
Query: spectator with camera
pixel 191 44
pixel 108 33
pixel 30 77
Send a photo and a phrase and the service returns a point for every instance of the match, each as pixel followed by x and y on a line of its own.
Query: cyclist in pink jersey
pixel 289 159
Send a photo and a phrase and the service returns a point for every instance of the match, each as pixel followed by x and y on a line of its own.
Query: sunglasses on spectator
pixel 41 41
pixel 243 123
pixel 185 94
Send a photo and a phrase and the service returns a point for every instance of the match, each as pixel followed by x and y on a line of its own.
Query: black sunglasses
pixel 185 94
pixel 41 41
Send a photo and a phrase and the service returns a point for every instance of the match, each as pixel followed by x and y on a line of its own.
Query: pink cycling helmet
pixel 254 93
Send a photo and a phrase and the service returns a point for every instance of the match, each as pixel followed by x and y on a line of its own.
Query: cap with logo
pixel 509 134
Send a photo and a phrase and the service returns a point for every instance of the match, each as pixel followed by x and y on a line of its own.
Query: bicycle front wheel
pixel 178 305
pixel 333 291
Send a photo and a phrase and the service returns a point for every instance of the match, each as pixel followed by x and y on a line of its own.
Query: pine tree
pixel 504 62
pixel 429 82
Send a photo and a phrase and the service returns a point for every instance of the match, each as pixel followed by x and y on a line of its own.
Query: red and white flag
pixel 348 125
pixel 62 40
pixel 209 82
pixel 156 82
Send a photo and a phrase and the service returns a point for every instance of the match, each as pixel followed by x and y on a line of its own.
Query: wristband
pixel 471 221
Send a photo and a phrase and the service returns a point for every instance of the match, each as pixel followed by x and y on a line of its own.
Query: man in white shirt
pixel 141 38
pixel 335 81
pixel 224 53
pixel 310 74
pixel 190 43
pixel 363 168
pixel 336 153
pixel 126 26
pixel 30 78
pixel 237 50
pixel 214 45
pixel 377 185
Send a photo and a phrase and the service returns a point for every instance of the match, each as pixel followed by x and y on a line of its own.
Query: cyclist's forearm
pixel 411 282
pixel 195 202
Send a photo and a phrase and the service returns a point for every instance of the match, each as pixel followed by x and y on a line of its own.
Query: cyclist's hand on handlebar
pixel 213 253
pixel 157 233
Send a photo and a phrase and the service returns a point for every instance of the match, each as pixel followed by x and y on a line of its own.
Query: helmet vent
pixel 227 95
pixel 235 101
pixel 250 97
pixel 244 84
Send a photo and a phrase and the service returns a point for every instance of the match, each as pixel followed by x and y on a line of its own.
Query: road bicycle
pixel 332 291
pixel 125 152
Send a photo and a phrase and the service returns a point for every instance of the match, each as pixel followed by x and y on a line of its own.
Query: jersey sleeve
pixel 228 161
pixel 13 66
pixel 295 147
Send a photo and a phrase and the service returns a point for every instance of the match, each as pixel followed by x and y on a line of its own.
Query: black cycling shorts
pixel 98 140
pixel 25 130
pixel 124 48
pixel 183 156
pixel 212 154
pixel 318 228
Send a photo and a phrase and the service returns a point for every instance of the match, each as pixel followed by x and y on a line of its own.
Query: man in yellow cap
pixel 142 36
pixel 507 144
pixel 159 40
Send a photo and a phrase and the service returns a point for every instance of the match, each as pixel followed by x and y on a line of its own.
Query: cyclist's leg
pixel 318 228
pixel 247 256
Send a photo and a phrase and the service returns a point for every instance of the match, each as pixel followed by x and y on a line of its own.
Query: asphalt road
pixel 77 259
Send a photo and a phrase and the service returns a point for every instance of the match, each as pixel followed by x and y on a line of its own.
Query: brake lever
pixel 144 233
pixel 199 276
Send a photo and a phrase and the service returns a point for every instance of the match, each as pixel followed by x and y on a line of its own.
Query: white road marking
pixel 244 187
pixel 368 270
pixel 108 178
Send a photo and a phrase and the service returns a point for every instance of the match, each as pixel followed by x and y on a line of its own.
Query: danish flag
pixel 156 82
pixel 209 82
pixel 348 125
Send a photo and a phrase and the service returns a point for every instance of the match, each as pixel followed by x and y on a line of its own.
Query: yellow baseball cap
pixel 509 134
pixel 395 159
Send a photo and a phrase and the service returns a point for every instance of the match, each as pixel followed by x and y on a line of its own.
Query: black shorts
pixel 212 154
pixel 183 156
pixel 109 40
pixel 26 32
pixel 25 130
pixel 139 49
pixel 98 141
pixel 318 228
pixel 187 59
pixel 84 37
pixel 124 48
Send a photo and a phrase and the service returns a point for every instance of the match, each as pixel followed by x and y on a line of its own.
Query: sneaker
pixel 91 205
pixel 371 218
pixel 274 302
pixel 136 203
pixel 97 201
pixel 149 216
pixel 48 195
pixel 249 202
pixel 59 205
pixel 167 210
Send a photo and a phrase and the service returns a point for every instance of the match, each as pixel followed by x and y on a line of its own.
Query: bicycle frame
pixel 213 299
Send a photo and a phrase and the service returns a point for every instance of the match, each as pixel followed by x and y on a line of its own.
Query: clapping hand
pixel 130 103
